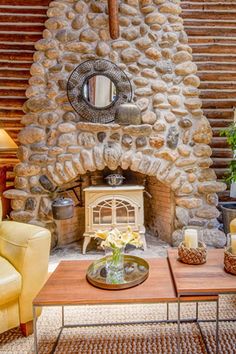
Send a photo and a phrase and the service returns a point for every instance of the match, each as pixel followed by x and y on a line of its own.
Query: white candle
pixel 233 243
pixel 191 238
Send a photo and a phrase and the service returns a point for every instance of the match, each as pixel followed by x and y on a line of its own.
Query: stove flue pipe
pixel 113 19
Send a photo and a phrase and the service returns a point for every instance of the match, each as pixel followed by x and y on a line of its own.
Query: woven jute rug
pixel 127 339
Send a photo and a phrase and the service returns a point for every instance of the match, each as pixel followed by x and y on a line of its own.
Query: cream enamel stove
pixel 107 207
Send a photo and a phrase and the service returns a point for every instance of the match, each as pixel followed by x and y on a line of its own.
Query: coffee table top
pixel 68 286
pixel 205 279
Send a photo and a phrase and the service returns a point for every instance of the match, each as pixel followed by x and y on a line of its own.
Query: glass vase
pixel 114 265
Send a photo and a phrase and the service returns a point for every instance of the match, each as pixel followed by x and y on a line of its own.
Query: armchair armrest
pixel 27 248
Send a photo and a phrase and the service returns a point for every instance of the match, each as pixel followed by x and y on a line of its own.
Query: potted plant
pixel 229 209
pixel 230 134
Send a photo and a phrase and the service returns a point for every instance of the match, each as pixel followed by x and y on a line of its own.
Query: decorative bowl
pixel 114 179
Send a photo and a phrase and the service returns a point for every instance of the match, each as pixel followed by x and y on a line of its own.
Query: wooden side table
pixel 207 279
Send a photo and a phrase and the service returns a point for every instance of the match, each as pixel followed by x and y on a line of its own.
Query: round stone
pixel 69 116
pixel 182 215
pixel 127 10
pixel 40 103
pixel 211 187
pixel 21 182
pixel 30 135
pixel 130 35
pixel 141 141
pixel 77 22
pixel 130 55
pixel 155 18
pixel 145 91
pixel 140 81
pixel 203 134
pixel 143 104
pixel 143 43
pixel 22 216
pixel 149 118
pixel 67 139
pixel 159 86
pixel 181 57
pixel 15 194
pixel 66 127
pixel 185 123
pixel 212 198
pixel 101 136
pixel 102 49
pixel 23 153
pixel 159 127
pixel 49 118
pixel 86 140
pixel 98 20
pixel 156 142
pixel 88 35
pixel 46 183
pixel 186 68
pixel 175 100
pixel 189 203
pixel 192 80
pixel 30 204
pixel 207 212
pixel 127 140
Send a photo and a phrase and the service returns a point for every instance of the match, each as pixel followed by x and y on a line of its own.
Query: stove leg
pixel 86 242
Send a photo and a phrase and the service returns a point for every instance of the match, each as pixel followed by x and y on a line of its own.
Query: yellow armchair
pixel 24 253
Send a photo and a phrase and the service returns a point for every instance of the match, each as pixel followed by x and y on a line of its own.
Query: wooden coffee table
pixel 68 286
pixel 209 278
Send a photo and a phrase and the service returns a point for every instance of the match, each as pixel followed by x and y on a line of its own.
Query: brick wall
pixel 159 209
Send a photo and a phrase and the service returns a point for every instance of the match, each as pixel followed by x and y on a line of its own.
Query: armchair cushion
pixel 10 282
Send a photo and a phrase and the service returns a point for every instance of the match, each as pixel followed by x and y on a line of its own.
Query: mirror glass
pixel 99 91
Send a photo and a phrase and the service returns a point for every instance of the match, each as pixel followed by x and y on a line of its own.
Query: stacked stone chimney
pixel 171 144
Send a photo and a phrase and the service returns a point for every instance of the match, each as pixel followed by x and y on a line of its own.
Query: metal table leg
pixel 35 330
pixel 196 311
pixel 178 343
pixel 62 316
pixel 217 325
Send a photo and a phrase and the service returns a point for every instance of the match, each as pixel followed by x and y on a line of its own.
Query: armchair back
pixel 27 248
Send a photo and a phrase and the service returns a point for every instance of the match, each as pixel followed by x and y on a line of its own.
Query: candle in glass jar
pixel 233 244
pixel 191 238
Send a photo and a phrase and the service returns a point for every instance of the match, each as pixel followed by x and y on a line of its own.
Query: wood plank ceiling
pixel 210 25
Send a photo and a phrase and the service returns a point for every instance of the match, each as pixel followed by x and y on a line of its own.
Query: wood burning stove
pixel 108 207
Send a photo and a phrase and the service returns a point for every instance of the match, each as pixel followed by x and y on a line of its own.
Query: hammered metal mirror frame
pixel 81 74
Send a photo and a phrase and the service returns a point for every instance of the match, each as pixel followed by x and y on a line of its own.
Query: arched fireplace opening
pixel 141 201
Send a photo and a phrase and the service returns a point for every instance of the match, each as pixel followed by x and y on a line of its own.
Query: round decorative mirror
pixel 99 91
pixel 96 88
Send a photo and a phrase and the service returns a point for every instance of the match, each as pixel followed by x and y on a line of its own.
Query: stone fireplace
pixel 169 150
